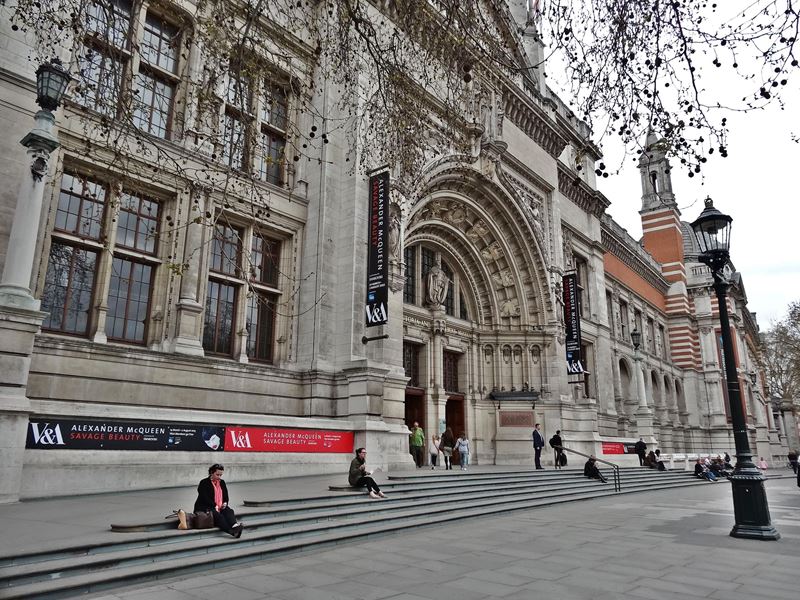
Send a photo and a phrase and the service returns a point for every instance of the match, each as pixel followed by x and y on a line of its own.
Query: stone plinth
pixel 18 327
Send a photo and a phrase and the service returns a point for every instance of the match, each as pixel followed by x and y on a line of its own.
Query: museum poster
pixel 270 439
pixel 572 323
pixel 61 434
pixel 377 308
pixel 619 448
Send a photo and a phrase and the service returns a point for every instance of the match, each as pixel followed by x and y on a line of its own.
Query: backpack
pixel 552 444
pixel 562 459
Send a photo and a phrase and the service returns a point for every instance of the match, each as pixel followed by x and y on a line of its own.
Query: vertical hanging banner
pixel 378 256
pixel 572 322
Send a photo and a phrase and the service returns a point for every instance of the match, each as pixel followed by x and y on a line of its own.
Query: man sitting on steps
pixel 360 477
pixel 591 471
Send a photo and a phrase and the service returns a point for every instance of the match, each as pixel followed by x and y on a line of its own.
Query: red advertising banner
pixel 613 448
pixel 619 448
pixel 269 439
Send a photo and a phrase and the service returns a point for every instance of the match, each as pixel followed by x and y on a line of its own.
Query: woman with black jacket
pixel 212 495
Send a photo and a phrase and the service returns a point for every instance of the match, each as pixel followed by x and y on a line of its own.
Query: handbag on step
pixel 203 520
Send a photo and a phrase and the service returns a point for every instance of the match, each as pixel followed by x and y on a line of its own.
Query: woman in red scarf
pixel 212 495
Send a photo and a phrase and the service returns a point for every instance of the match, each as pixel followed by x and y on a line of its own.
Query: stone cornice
pixel 577 190
pixel 534 122
pixel 612 244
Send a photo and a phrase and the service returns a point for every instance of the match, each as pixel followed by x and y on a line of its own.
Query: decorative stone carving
pixel 503 278
pixel 567 248
pixel 492 252
pixel 456 214
pixel 438 284
pixel 510 308
pixel 394 234
pixel 477 231
pixel 536 354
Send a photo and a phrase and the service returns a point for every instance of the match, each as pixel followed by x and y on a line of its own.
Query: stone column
pixel 15 285
pixel 20 318
pixel 190 311
pixel 644 414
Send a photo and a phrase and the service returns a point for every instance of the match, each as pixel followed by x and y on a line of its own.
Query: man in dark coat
pixel 641 450
pixel 555 444
pixel 538 444
pixel 591 471
pixel 212 495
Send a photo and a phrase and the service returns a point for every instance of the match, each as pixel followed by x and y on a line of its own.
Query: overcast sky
pixel 757 185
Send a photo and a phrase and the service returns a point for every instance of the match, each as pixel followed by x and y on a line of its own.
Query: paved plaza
pixel 657 545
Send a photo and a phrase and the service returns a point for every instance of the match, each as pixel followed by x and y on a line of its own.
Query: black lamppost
pixel 751 510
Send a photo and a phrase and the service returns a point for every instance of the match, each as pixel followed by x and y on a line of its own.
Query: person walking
pixel 447 443
pixel 555 444
pixel 433 450
pixel 641 450
pixel 538 444
pixel 212 496
pixel 416 442
pixel 462 445
pixel 360 477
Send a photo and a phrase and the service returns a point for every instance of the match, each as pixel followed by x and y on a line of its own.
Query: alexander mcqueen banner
pixel 572 322
pixel 619 448
pixel 376 306
pixel 268 439
pixel 61 434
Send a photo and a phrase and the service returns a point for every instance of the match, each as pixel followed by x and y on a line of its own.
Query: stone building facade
pixel 231 300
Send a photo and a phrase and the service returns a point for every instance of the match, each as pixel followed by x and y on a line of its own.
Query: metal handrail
pixel 615 467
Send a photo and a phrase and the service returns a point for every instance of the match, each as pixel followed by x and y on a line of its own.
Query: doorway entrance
pixel 455 418
pixel 415 407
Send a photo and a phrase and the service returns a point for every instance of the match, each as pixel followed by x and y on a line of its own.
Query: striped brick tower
pixel 663 239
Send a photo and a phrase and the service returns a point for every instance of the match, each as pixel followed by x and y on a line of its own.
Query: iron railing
pixel 615 468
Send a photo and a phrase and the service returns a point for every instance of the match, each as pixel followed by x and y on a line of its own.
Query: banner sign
pixel 60 434
pixel 268 439
pixel 378 254
pixel 572 323
pixel 619 448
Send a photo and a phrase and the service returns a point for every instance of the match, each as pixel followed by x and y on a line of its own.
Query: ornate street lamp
pixel 751 510
pixel 636 339
pixel 52 80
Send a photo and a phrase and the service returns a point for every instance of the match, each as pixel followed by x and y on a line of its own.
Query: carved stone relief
pixel 503 278
pixel 492 252
pixel 510 308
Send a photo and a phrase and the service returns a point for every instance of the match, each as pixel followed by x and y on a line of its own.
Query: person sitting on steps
pixel 360 477
pixel 212 495
pixel 702 471
pixel 591 471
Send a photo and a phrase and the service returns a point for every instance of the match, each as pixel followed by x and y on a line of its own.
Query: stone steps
pixel 290 527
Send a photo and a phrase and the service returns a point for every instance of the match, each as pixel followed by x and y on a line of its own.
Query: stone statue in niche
pixel 394 235
pixel 438 284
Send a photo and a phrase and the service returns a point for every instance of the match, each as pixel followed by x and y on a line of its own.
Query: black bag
pixel 562 459
pixel 552 445
pixel 203 520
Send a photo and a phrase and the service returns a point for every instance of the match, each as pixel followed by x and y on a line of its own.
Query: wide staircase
pixel 148 551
